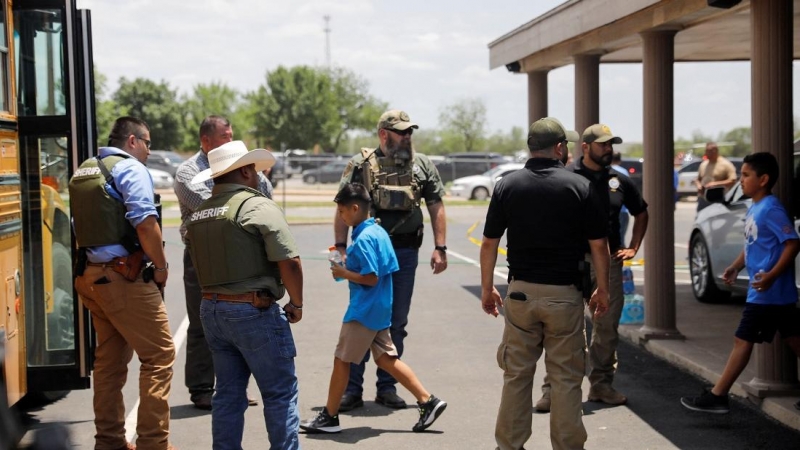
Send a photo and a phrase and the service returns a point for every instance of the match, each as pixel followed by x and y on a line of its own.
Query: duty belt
pixel 406 240
pixel 257 299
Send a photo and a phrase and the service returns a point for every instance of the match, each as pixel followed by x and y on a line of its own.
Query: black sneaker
pixel 429 412
pixel 707 402
pixel 323 423
pixel 350 402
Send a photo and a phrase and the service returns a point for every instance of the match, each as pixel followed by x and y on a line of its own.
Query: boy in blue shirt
pixel 770 247
pixel 370 262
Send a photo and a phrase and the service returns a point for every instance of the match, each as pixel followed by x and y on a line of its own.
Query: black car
pixel 635 168
pixel 458 165
pixel 164 160
pixel 329 173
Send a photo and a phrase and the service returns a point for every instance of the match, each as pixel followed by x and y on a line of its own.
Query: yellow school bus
pixel 47 127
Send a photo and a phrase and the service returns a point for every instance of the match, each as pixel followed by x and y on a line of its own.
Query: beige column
pixel 537 95
pixel 587 91
pixel 771 66
pixel 659 269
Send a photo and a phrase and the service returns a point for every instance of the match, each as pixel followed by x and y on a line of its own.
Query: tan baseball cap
pixel 600 133
pixel 394 119
pixel 548 131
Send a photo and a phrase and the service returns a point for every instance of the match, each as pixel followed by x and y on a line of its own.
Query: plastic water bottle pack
pixel 633 308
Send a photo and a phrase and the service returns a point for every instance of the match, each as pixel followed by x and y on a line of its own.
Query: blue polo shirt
pixel 135 187
pixel 371 252
pixel 766 228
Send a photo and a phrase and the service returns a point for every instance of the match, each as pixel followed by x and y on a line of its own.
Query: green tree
pixel 357 109
pixel 106 109
pixel 156 104
pixel 466 119
pixel 742 139
pixel 215 98
pixel 294 108
pixel 508 144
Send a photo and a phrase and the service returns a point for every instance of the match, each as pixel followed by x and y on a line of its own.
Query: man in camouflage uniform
pixel 398 178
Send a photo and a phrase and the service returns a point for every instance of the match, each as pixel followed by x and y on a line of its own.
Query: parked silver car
pixel 480 187
pixel 161 179
pixel 717 239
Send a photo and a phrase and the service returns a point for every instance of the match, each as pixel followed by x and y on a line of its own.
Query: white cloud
pixel 420 56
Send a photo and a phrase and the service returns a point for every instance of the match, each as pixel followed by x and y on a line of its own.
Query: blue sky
pixel 417 55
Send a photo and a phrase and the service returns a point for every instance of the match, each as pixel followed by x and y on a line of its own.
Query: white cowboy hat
pixel 231 156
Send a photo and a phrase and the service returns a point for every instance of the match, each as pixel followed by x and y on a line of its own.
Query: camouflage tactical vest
pixel 392 187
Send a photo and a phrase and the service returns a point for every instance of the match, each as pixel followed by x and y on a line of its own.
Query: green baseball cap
pixel 394 119
pixel 548 131
pixel 600 133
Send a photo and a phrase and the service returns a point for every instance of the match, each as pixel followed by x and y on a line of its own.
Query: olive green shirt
pixel 431 188
pixel 261 217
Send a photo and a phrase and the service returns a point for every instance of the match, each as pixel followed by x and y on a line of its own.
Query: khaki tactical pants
pixel 550 320
pixel 128 316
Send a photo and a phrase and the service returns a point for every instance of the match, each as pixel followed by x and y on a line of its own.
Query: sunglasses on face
pixel 406 132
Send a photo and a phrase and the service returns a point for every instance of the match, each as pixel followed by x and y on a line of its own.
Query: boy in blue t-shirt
pixel 770 247
pixel 370 263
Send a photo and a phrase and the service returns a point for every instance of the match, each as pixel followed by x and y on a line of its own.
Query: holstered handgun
pixel 584 283
pixel 130 266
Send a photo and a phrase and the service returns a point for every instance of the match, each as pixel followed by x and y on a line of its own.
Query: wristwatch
pixel 441 248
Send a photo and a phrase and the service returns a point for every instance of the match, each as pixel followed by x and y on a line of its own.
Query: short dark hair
pixel 124 127
pixel 210 123
pixel 764 163
pixel 353 193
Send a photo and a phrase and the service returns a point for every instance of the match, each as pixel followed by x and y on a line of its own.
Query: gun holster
pixel 584 283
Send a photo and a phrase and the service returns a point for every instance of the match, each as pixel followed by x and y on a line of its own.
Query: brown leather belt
pixel 258 299
pixel 111 264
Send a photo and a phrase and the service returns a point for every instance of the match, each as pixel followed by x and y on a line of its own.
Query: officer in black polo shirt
pixel 550 214
pixel 615 190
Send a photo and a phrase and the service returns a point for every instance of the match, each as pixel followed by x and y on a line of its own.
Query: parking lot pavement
pixel 452 347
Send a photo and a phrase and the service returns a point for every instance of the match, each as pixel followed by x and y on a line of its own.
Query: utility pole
pixel 327 19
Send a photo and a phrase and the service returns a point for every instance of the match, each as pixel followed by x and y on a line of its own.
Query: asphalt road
pixel 451 346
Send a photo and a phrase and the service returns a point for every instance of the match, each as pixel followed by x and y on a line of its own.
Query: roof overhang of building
pixel 611 29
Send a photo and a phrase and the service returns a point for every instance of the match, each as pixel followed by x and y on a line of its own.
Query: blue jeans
pixel 402 290
pixel 243 340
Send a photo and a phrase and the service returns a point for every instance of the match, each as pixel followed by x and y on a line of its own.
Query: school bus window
pixel 38 37
pixel 3 59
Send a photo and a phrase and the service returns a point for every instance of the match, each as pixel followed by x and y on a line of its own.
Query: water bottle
pixel 628 288
pixel 335 258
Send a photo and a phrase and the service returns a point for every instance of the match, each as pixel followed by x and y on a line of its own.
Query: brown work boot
pixel 607 395
pixel 251 401
pixel 202 400
pixel 543 405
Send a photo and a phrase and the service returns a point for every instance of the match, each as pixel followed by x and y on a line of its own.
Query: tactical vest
pixel 222 251
pixel 99 218
pixel 392 187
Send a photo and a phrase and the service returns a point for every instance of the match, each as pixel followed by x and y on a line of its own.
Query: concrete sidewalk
pixel 709 330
